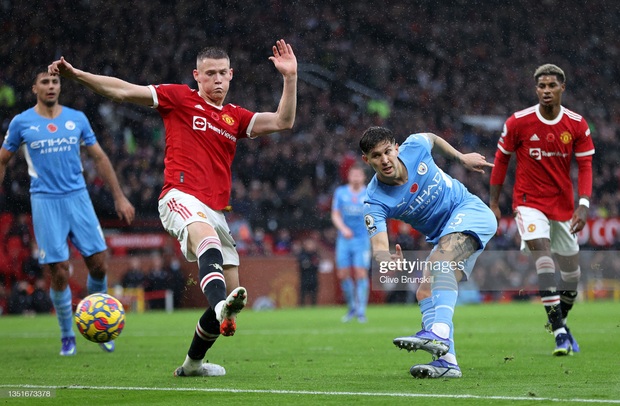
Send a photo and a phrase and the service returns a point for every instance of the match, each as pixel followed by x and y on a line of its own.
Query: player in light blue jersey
pixel 409 186
pixel 352 243
pixel 51 136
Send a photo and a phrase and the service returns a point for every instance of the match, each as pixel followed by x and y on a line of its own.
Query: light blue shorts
pixel 354 252
pixel 474 218
pixel 58 218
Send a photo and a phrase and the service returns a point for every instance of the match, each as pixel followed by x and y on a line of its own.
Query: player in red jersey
pixel 544 139
pixel 201 139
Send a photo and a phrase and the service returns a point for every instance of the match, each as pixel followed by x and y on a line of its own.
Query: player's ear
pixel 365 159
pixel 231 73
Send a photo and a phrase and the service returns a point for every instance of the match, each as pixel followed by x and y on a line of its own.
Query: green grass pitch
pixel 308 357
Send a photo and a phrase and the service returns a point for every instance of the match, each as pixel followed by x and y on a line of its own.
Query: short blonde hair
pixel 550 69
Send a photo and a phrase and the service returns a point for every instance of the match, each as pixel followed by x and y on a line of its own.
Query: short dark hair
pixel 550 69
pixel 37 71
pixel 374 136
pixel 212 53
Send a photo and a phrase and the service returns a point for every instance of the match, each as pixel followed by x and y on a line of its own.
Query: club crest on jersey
pixel 566 137
pixel 199 123
pixel 422 168
pixel 228 119
pixel 531 228
pixel 51 127
pixel 70 125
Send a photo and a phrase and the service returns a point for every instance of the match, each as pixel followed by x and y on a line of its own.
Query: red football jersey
pixel 201 140
pixel 544 151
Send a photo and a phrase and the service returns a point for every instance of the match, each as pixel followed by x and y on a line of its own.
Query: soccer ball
pixel 100 317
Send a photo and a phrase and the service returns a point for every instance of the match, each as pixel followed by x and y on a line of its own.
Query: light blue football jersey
pixel 52 148
pixel 351 207
pixel 427 201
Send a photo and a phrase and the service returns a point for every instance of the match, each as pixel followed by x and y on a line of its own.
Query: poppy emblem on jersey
pixel 215 116
pixel 70 125
pixel 51 127
pixel 228 119
pixel 550 137
pixel 201 214
pixel 535 153
pixel 531 228
pixel 199 123
pixel 422 168
pixel 566 137
pixel 414 188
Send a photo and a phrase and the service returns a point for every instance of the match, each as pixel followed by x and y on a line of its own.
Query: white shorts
pixel 533 224
pixel 177 210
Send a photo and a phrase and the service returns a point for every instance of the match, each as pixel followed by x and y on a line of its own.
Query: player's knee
pixel 545 265
pixel 59 274
pixel 97 265
pixel 571 276
pixel 360 273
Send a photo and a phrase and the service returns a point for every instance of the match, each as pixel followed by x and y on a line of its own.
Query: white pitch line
pixel 321 393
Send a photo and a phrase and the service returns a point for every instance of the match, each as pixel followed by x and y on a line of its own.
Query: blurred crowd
pixel 453 68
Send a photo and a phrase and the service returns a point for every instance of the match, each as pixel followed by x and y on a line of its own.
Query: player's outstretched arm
pixel 381 248
pixel 283 119
pixel 107 86
pixel 472 161
pixel 475 162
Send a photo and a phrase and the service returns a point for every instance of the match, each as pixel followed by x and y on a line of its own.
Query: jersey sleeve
pixel 584 146
pixel 165 96
pixel 417 141
pixel 505 148
pixel 375 218
pixel 336 201
pixel 507 140
pixel 13 138
pixel 584 150
pixel 88 135
pixel 246 121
